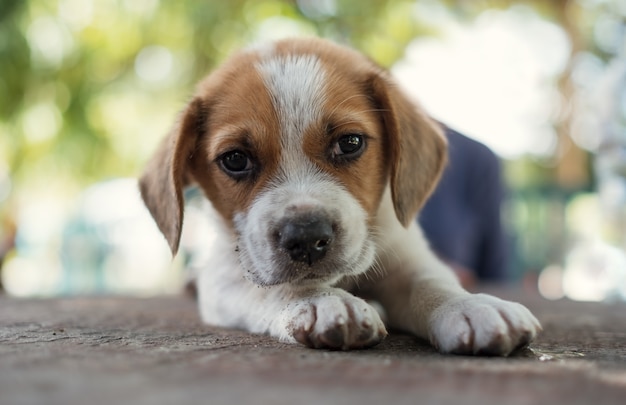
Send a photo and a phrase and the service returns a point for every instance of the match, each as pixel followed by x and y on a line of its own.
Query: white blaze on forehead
pixel 295 84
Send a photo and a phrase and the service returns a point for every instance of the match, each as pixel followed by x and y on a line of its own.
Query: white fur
pixel 435 306
pixel 296 85
pixel 416 279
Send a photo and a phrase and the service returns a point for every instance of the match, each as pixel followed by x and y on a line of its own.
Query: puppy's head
pixel 294 144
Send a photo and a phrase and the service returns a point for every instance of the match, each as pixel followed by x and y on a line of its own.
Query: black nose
pixel 306 239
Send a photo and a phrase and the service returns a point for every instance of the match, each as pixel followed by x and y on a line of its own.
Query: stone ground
pixel 119 350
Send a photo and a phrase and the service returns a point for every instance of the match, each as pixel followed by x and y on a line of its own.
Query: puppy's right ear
pixel 167 173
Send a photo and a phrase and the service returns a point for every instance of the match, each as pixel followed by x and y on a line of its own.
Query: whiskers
pixel 342 102
pixel 371 271
pixel 353 118
pixel 377 269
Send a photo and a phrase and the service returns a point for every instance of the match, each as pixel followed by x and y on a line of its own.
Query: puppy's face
pixel 294 145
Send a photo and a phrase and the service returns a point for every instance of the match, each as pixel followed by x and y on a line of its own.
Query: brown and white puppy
pixel 315 165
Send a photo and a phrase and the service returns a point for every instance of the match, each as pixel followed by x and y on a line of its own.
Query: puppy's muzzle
pixel 306 238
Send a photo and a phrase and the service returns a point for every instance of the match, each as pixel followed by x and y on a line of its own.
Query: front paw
pixel 482 324
pixel 334 322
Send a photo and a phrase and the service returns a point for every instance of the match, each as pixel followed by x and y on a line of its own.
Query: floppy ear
pixel 167 173
pixel 417 148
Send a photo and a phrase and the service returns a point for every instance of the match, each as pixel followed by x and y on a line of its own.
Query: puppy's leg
pixel 319 317
pixel 330 318
pixel 422 295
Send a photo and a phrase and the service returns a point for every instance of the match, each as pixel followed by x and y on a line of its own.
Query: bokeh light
pixel 494 79
pixel 89 88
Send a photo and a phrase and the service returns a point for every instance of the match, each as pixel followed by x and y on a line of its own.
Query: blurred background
pixel 89 87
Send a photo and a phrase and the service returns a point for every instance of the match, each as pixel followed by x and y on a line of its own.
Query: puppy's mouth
pixel 313 277
pixel 299 275
pixel 286 267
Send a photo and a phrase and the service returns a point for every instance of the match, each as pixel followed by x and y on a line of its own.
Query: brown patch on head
pixel 230 111
pixel 348 112
pixel 241 118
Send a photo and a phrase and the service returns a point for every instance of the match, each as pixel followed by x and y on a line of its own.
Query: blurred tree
pixel 87 88
pixel 68 63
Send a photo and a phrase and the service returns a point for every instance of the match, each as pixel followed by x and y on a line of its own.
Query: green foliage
pixel 73 107
pixel 89 87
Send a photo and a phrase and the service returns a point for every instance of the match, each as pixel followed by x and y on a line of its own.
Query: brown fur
pixel 233 110
pixel 418 149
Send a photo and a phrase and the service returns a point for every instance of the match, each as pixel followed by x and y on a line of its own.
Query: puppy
pixel 315 165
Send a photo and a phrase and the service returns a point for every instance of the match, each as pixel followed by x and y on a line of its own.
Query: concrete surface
pixel 118 350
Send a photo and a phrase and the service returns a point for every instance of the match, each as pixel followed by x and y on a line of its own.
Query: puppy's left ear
pixel 417 147
pixel 167 173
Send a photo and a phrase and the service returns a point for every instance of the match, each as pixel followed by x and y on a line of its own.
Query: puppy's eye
pixel 236 162
pixel 349 146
